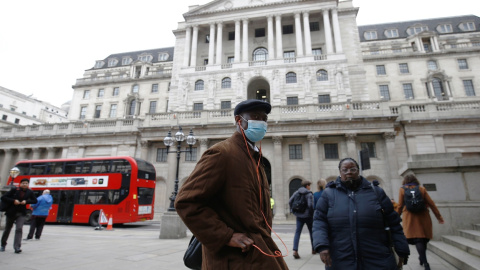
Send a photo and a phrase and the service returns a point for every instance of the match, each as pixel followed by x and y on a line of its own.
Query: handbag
pixel 193 255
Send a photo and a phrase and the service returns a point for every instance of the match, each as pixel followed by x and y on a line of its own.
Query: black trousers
pixel 36 226
pixel 18 219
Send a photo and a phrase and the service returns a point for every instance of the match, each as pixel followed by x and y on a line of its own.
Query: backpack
pixel 414 200
pixel 299 203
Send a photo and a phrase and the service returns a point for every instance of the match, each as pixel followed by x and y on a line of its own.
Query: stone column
pixel 336 32
pixel 281 199
pixel 328 31
pixel 7 165
pixel 314 160
pixel 193 60
pixel 65 152
pixel 351 145
pixel 51 152
pixel 432 91
pixel 298 34
pixel 81 151
pixel 447 88
pixel 439 143
pixel 22 154
pixel 36 153
pixel 392 164
pixel 308 38
pixel 271 37
pixel 219 42
pixel 245 41
pixel 279 36
pixel 188 43
pixel 211 45
pixel 237 41
pixel 203 145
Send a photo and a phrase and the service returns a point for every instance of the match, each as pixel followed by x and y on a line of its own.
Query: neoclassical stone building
pixel 407 91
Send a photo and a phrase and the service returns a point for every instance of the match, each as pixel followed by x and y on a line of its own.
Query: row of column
pixel 275 46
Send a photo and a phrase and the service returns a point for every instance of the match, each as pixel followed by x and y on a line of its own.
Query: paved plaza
pixel 137 246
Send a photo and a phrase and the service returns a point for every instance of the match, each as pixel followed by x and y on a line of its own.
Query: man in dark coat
pixel 17 198
pixel 226 200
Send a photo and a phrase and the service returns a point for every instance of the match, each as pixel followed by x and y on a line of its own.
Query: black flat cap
pixel 251 105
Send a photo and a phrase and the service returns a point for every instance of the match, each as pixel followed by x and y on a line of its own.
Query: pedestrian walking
pixel 417 224
pixel 17 198
pixel 301 205
pixel 321 186
pixel 350 222
pixel 40 214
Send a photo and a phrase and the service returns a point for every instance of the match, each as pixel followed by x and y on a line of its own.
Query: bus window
pixel 145 170
pixel 24 169
pixel 38 169
pixel 54 194
pixel 82 197
pixel 73 167
pixel 121 166
pixel 56 167
pixel 100 166
pixel 145 195
pixel 87 167
pixel 98 197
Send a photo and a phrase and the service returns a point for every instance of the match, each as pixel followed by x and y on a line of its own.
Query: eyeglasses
pixel 345 170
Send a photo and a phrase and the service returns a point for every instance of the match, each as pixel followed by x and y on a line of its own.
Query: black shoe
pixel 18 250
pixel 2 248
pixel 427 266
pixel 26 239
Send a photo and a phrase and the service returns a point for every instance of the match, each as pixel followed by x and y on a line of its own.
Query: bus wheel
pixel 93 221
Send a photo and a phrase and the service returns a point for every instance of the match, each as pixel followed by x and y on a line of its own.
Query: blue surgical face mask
pixel 256 130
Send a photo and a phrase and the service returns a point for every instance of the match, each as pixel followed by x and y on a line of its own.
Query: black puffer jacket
pixel 350 224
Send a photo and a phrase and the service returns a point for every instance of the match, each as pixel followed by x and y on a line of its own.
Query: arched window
pixel 226 82
pixel 291 77
pixel 294 185
pixel 438 89
pixel 199 85
pixel 322 75
pixel 131 108
pixel 260 54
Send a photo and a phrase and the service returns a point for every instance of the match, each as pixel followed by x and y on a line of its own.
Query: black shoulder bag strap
pixel 385 222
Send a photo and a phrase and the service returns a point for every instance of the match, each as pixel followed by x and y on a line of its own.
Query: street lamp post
pixel 172 227
pixel 168 141
pixel 14 172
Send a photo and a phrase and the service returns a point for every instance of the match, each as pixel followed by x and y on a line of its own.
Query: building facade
pixel 406 91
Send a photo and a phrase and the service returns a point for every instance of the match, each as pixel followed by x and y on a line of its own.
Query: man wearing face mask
pixel 225 202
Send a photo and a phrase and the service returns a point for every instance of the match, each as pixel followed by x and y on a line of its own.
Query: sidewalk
pixel 136 247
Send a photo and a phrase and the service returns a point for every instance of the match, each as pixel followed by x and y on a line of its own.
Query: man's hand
pixel 325 257
pixel 240 240
pixel 16 202
pixel 23 202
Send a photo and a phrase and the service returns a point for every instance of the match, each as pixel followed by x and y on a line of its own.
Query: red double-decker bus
pixel 123 187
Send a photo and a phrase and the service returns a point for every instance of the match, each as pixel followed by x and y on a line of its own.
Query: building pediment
pixel 226 5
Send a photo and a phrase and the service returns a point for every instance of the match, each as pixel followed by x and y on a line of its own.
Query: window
pixel 17 121
pixel 135 88
pixel 370 35
pixel 83 112
pixel 260 54
pixel 260 32
pixel 291 77
pixel 199 85
pixel 207 38
pixel 295 151
pixel 113 111
pixel 384 92
pixel 317 51
pixel 408 90
pixel 226 83
pixel 205 61
pixel 322 75
pixel 381 70
pixel 438 89
pixel 462 64
pixel 289 57
pixel 230 59
pixel 155 88
pixel 153 107
pixel 86 94
pixel 4 117
pixel 145 58
pixel 225 105
pixel 292 100
pixel 331 150
pixel 197 107
pixel 469 91
pixel 112 62
pixel 231 35
pixel 101 92
pixel 314 26
pixel 467 26
pixel 99 64
pixel 445 28
pixel 432 65
pixel 131 108
pixel 161 155
pixel 370 146
pixel 163 56
pixel 191 156
pixel 324 98
pixel 416 29
pixel 126 61
pixel 287 29
pixel 403 68
pixel 391 33
pixel 116 91
pixel 98 110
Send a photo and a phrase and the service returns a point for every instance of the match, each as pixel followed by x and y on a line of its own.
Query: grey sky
pixel 46 45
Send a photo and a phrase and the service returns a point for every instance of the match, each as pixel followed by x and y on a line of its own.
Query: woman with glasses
pixel 350 224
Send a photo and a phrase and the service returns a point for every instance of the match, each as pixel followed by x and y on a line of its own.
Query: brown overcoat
pixel 222 196
pixel 418 225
